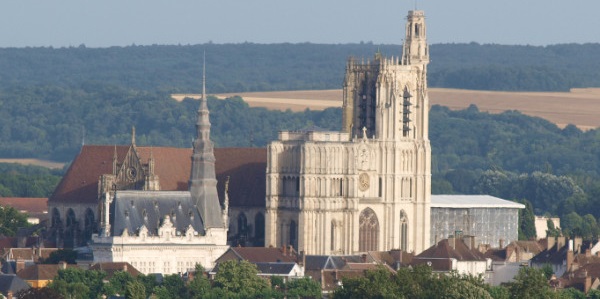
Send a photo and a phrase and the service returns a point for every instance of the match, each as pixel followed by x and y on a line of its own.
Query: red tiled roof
pixel 112 268
pixel 33 254
pixel 245 166
pixel 41 271
pixel 29 205
pixel 460 252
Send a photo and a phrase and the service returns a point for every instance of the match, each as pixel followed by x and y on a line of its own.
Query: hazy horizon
pixel 35 23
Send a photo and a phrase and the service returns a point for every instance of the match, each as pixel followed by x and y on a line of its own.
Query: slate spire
pixel 203 182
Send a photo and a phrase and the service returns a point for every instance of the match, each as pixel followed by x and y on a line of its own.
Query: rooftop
pixel 472 201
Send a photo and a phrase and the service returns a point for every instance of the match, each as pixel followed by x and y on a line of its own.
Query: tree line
pixel 239 280
pixel 263 67
pixel 233 280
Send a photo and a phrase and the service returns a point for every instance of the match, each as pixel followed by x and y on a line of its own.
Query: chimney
pixel 452 242
pixel 560 242
pixel 569 260
pixel 62 265
pixel 9 295
pixel 20 265
pixel 588 252
pixel 501 243
pixel 363 258
pixel 551 242
pixel 587 284
pixel 125 267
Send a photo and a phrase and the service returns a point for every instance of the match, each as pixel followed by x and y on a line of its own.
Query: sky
pixel 64 23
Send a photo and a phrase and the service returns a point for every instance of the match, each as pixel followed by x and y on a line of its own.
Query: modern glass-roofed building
pixel 491 220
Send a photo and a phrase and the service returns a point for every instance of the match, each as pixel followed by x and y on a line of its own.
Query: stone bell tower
pixel 368 187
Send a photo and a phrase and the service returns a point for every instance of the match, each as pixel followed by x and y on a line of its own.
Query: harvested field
pixel 580 107
pixel 36 162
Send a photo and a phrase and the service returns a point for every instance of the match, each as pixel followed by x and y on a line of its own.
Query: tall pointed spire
pixel 203 182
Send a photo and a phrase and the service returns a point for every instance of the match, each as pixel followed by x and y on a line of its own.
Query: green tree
pixel 200 286
pixel 303 288
pixel 11 220
pixel 135 290
pixel 240 278
pixel 498 292
pixel 149 282
pixel 78 283
pixel 571 293
pixel 174 286
pixel 552 230
pixel 530 283
pixel 118 283
pixel 527 222
pixel 37 293
pixel 377 283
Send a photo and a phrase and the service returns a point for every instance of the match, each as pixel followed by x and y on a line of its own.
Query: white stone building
pixel 368 187
pixel 165 231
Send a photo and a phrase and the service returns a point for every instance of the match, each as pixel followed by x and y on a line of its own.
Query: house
pixel 559 254
pixel 36 208
pixel 286 271
pixel 507 261
pixel 40 275
pixel 11 284
pixel 16 259
pixel 457 253
pixel 329 270
pixel 282 262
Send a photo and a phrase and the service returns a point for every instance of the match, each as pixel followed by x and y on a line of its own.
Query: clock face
pixel 131 173
pixel 363 182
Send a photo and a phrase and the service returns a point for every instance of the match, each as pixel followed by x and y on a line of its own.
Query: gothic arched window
pixel 403 231
pixel 242 224
pixel 56 221
pixel 259 229
pixel 71 230
pixel 90 224
pixel 368 236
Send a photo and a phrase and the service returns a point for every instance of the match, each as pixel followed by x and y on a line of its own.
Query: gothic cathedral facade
pixel 368 187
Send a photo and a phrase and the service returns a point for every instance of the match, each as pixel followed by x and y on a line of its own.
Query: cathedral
pixel 367 187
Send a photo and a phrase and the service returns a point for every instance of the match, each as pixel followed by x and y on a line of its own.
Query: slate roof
pixel 552 255
pixel 137 208
pixel 245 166
pixel 259 254
pixel 275 268
pixel 11 282
pixel 321 262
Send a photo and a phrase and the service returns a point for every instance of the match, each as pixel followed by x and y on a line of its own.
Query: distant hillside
pixel 582 109
pixel 260 67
